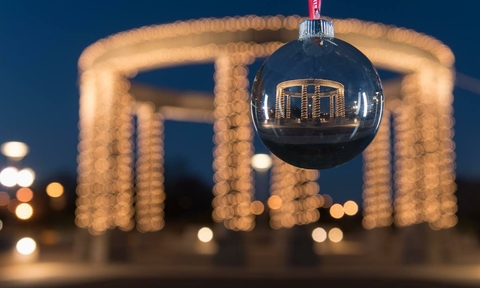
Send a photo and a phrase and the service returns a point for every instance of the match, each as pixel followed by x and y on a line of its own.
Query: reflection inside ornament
pixel 317 102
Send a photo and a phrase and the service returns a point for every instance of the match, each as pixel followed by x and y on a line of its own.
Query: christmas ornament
pixel 317 102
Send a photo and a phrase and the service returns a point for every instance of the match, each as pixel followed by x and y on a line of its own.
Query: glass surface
pixel 317 103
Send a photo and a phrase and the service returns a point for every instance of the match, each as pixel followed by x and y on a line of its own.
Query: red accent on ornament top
pixel 314 8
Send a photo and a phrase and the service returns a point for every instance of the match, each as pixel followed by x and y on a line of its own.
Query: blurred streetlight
pixel 351 208
pixel 205 234
pixel 55 190
pixel 26 246
pixel 335 235
pixel 14 150
pixel 9 177
pixel 25 177
pixel 319 235
pixel 24 211
pixel 261 162
pixel 337 211
pixel 24 194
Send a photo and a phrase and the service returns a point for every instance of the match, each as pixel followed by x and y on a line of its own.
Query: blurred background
pixel 42 244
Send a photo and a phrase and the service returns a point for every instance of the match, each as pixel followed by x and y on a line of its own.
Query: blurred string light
pixel 205 234
pixel 26 246
pixel 257 207
pixel 24 211
pixel 150 191
pixel 9 177
pixel 14 150
pixel 294 195
pixel 106 109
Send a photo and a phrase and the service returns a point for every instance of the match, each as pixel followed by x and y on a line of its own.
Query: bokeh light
pixel 24 211
pixel 12 205
pixel 319 235
pixel 1 224
pixel 274 202
pixel 335 235
pixel 327 201
pixel 25 177
pixel 337 211
pixel 257 207
pixel 4 198
pixel 205 234
pixel 55 189
pixel 26 246
pixel 24 194
pixel 16 150
pixel 9 176
pixel 351 208
pixel 261 162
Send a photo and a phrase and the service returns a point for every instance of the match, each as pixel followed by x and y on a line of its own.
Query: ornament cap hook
pixel 317 28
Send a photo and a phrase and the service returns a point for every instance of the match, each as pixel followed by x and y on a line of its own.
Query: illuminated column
pixel 289 104
pixel 304 102
pixel 377 192
pixel 122 155
pixel 150 190
pixel 424 156
pixel 316 103
pixel 332 106
pixel 278 103
pixel 233 138
pixel 435 122
pixel 408 164
pixel 294 199
pixel 97 190
pixel 340 107
pixel 85 189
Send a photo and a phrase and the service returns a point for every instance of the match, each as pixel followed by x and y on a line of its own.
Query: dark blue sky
pixel 40 42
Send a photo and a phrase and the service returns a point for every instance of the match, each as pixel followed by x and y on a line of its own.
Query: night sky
pixel 41 41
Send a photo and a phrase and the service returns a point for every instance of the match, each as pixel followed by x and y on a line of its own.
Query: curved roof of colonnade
pixel 384 45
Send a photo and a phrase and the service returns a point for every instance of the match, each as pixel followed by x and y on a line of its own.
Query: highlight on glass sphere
pixel 317 102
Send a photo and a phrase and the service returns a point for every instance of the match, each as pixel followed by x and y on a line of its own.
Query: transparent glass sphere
pixel 317 103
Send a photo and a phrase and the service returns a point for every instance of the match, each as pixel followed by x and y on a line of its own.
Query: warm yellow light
pixel 257 207
pixel 55 190
pixel 24 194
pixel 337 211
pixel 4 198
pixel 26 246
pixel 261 162
pixel 9 176
pixel 335 235
pixel 351 208
pixel 274 202
pixel 24 211
pixel 205 234
pixel 319 235
pixel 16 150
pixel 25 177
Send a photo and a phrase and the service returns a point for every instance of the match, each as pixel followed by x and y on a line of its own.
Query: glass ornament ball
pixel 317 102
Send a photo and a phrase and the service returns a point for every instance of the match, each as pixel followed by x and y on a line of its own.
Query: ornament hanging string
pixel 314 6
